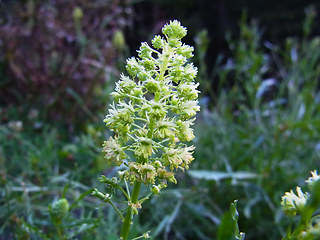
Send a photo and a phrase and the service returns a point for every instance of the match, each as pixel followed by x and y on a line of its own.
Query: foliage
pixel 37 168
pixel 262 132
pixel 306 205
pixel 56 56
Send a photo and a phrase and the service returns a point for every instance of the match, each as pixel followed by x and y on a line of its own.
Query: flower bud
pixel 186 51
pixel 146 235
pixel 77 13
pixel 147 64
pixel 132 66
pixel 152 86
pixel 143 75
pixel 145 51
pixel 155 189
pixel 157 42
pixel 174 42
pixel 59 210
pixel 118 40
pixel 174 30
pixel 174 100
pixel 126 84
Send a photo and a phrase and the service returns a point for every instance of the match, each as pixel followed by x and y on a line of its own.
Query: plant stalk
pixel 128 219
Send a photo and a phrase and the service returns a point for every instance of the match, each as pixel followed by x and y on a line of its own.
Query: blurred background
pixel 257 134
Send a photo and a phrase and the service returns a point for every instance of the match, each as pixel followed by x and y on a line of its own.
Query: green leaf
pixel 228 229
pixel 217 176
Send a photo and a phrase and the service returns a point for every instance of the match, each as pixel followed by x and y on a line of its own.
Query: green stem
pixel 127 220
pixel 127 189
pixel 106 199
pixel 164 64
pixel 59 232
pixel 151 126
pixel 117 210
pixel 123 191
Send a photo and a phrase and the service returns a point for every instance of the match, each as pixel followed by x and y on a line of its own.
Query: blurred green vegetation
pixel 58 56
pixel 257 135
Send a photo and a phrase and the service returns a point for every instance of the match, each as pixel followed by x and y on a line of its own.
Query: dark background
pixel 279 19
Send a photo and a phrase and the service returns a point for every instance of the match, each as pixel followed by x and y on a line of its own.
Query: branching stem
pixel 128 218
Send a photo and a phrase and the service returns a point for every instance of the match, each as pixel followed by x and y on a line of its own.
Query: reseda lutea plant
pixel 152 115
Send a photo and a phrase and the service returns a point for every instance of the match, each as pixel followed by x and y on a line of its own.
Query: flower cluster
pixel 153 111
pixel 292 203
pixel 311 180
pixel 306 205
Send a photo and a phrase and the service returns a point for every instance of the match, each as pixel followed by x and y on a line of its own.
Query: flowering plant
pixel 305 205
pixel 152 115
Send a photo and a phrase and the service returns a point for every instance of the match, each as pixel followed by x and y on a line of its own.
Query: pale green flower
pixel 186 51
pixel 172 158
pixel 164 129
pixel 133 66
pixel 292 203
pixel 190 72
pixel 114 152
pixel 186 156
pixel 184 131
pixel 152 85
pixel 125 85
pixel 174 30
pixel 145 173
pixel 188 91
pixel 178 157
pixel 157 42
pixel 120 114
pixel 143 148
pixel 314 177
pixel 188 109
pixel 145 51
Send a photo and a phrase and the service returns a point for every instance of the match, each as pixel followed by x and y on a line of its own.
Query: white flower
pixel 292 203
pixel 311 180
